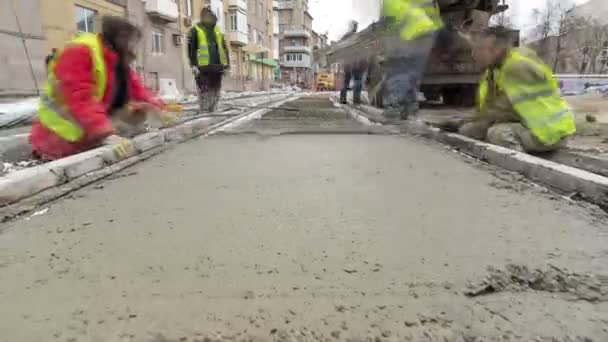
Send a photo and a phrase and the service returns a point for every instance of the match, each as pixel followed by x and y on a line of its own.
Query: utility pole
pixel 27 52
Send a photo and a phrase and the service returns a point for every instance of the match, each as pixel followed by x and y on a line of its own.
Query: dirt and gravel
pixel 307 237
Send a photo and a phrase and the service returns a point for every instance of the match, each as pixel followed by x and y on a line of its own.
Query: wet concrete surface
pixel 307 115
pixel 306 238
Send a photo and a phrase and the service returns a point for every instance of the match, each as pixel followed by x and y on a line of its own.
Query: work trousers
pixel 512 135
pixel 403 68
pixel 209 86
pixel 356 75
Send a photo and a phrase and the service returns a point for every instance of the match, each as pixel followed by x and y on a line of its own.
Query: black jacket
pixel 214 56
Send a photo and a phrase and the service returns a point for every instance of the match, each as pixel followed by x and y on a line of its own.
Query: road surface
pixel 262 236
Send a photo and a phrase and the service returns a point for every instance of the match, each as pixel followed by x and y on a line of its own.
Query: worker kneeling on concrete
pixel 519 103
pixel 90 85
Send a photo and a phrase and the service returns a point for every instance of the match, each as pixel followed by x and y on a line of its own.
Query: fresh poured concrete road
pixel 313 237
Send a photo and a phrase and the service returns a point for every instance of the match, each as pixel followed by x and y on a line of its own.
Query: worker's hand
pixel 227 67
pixel 122 147
pixel 142 107
pixel 195 71
pixel 173 107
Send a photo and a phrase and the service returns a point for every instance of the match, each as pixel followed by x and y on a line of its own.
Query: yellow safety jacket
pixel 203 46
pixel 414 18
pixel 52 111
pixel 539 105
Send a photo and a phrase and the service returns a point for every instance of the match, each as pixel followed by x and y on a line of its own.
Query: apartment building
pixel 296 43
pixel 22 43
pixel 63 19
pixel 160 54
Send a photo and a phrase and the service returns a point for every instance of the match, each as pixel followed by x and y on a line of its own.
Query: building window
pixel 153 81
pixel 260 9
pixel 294 57
pixel 234 24
pixel 158 42
pixel 85 19
pixel 189 8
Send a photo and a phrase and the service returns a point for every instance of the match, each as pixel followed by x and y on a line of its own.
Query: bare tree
pixel 553 23
pixel 566 25
pixel 590 44
pixel 544 19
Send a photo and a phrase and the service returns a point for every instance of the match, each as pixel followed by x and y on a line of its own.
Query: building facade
pixel 63 19
pixel 296 43
pixel 160 55
pixel 23 47
pixel 251 29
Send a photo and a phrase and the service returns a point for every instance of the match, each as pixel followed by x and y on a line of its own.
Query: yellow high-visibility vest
pixel 203 46
pixel 52 111
pixel 539 106
pixel 414 18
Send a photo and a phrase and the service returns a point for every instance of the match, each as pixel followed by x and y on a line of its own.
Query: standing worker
pixel 519 103
pixel 411 27
pixel 89 85
pixel 354 68
pixel 209 58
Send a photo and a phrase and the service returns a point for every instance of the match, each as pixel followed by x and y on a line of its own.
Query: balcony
pixel 298 48
pixel 238 4
pixel 290 61
pixel 162 9
pixel 238 38
pixel 296 64
pixel 295 31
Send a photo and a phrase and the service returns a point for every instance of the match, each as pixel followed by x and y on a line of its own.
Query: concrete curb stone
pixel 148 141
pixel 591 187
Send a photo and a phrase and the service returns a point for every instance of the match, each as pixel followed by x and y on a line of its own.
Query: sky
pixel 332 16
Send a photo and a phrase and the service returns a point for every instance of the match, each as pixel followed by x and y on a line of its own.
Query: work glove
pixel 195 71
pixel 168 119
pixel 122 147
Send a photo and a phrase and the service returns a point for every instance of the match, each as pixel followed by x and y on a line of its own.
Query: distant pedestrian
pixel 208 55
pixel 354 72
pixel 354 68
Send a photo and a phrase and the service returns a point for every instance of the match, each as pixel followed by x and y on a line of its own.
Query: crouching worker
pixel 90 85
pixel 519 103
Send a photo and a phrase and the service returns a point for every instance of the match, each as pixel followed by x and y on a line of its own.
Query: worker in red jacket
pixel 89 84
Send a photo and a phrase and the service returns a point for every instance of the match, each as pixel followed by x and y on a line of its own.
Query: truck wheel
pixel 463 96
pixel 432 95
pixel 450 97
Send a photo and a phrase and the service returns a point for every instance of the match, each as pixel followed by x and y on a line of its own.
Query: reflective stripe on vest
pixel 52 112
pixel 539 106
pixel 484 89
pixel 416 18
pixel 203 46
